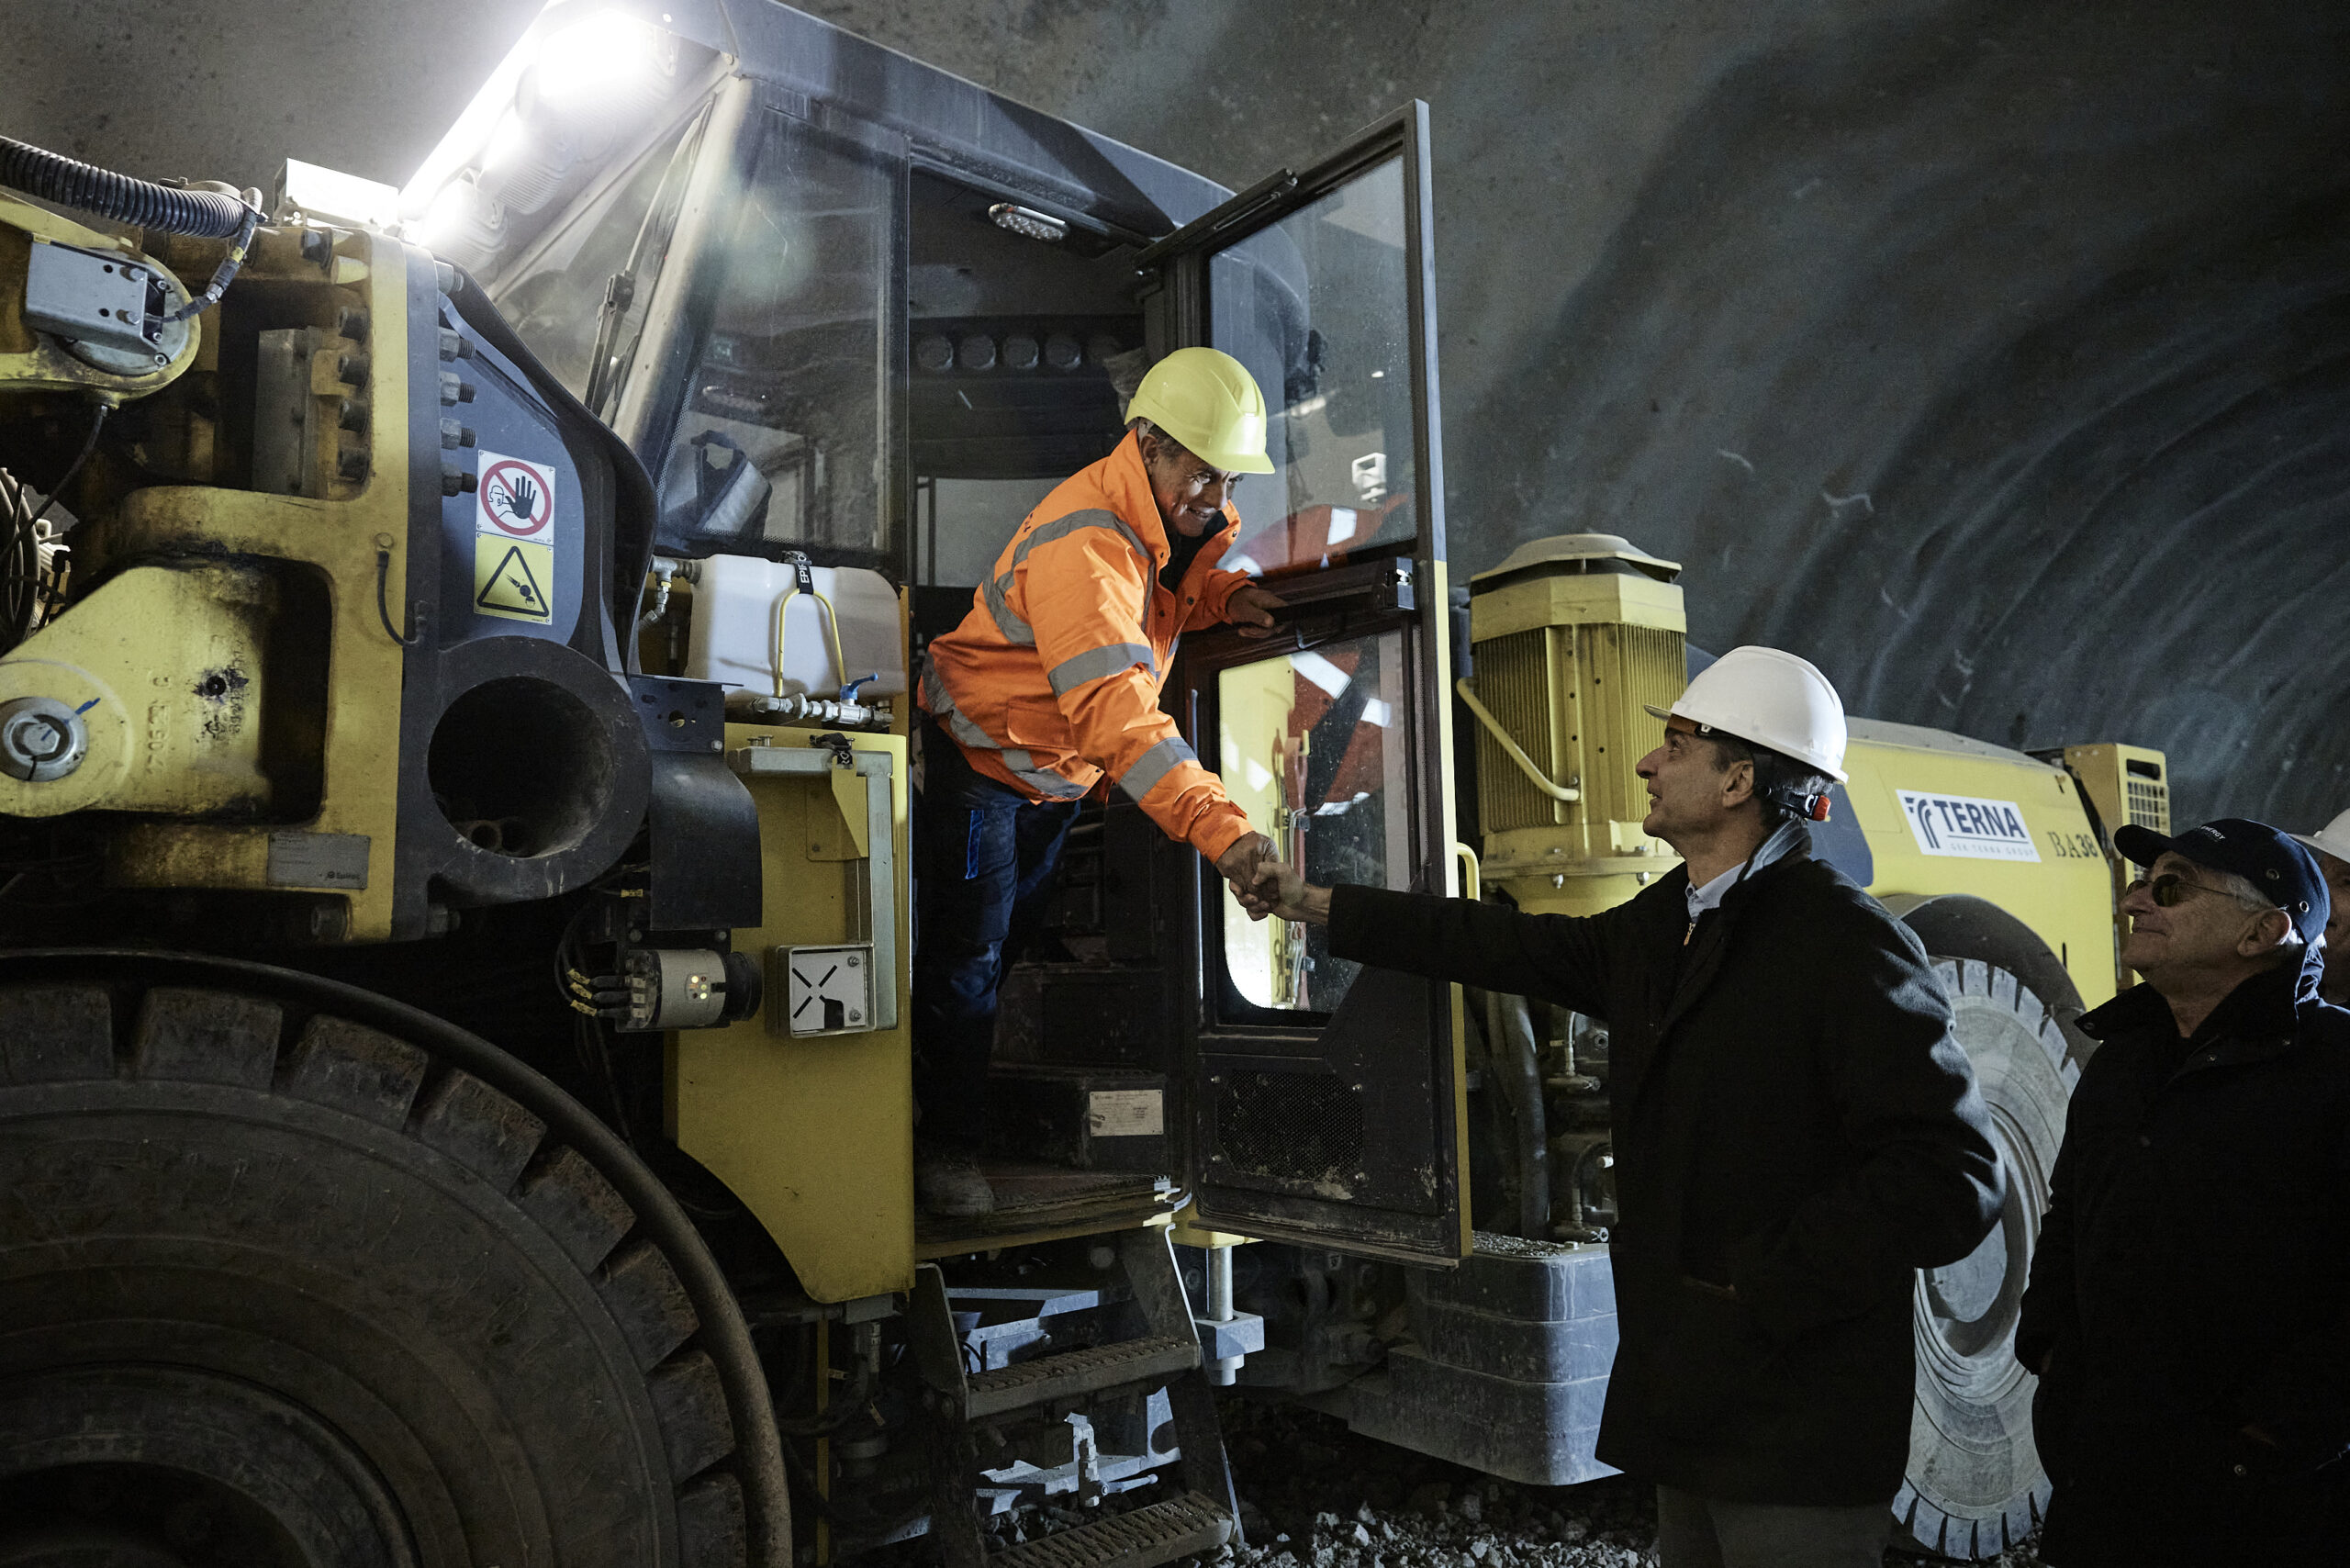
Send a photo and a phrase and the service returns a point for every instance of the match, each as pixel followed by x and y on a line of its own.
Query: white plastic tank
pixel 734 637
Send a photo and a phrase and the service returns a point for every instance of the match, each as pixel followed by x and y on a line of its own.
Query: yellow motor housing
pixel 1571 636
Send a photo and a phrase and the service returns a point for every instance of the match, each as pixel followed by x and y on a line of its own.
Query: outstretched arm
pixel 1558 958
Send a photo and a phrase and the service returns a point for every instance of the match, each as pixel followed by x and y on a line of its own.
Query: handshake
pixel 1264 886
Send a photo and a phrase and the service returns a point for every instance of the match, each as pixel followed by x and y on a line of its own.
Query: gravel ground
pixel 1315 1495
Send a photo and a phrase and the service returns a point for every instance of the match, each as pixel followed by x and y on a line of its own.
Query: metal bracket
pixel 815 762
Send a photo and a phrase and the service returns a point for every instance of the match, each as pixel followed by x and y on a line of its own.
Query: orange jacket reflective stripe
pixel 1052 680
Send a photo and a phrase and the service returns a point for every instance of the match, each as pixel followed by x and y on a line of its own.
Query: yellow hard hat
pixel 1206 399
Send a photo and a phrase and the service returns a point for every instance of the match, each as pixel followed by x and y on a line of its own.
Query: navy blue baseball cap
pixel 2286 874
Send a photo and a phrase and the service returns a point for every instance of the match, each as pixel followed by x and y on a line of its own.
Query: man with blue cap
pixel 2189 1312
pixel 2331 846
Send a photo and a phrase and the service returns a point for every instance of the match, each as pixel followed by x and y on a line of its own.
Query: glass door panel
pixel 1318 1101
pixel 1311 746
pixel 1318 307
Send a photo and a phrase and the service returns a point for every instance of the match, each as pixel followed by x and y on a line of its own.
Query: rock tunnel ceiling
pixel 1989 353
pixel 2014 400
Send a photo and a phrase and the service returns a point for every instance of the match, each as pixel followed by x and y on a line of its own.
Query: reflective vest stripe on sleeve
pixel 1094 663
pixel 1155 765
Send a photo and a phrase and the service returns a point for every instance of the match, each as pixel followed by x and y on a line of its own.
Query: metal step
pixel 1026 1384
pixel 1144 1539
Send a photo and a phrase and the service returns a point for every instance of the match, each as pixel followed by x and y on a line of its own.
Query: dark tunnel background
pixel 2001 374
pixel 1990 355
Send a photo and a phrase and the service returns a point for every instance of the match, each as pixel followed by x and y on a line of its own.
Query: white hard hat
pixel 1769 698
pixel 2332 839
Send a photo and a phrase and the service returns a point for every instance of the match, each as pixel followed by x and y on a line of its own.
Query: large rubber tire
pixel 1974 1485
pixel 335 1299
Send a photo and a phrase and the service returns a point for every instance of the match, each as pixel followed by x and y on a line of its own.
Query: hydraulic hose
pixel 205 215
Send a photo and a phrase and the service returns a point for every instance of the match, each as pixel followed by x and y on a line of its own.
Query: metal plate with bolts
pixel 87 296
pixel 108 309
pixel 828 990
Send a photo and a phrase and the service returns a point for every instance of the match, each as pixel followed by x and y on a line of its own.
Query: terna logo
pixel 1966 826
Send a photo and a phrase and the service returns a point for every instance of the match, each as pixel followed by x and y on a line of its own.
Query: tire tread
pixel 56 1034
pixel 647 1300
pixel 691 1404
pixel 713 1531
pixel 574 1204
pixel 207 1037
pixel 480 1129
pixel 356 1069
pixel 66 1034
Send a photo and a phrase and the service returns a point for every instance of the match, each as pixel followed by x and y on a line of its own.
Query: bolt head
pixel 39 738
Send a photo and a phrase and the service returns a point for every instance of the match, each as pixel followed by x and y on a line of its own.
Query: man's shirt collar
pixel 1776 847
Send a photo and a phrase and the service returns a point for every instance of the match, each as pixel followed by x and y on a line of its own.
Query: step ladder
pixel 963 1403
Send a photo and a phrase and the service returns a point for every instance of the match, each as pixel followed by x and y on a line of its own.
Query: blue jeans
pixel 984 856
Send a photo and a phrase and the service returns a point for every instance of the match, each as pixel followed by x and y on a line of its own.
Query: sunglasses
pixel 2170 890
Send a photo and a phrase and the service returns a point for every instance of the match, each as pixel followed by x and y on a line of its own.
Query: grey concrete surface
pixel 1994 354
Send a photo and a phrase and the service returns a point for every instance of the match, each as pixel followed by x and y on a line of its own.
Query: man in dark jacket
pixel 1796 1128
pixel 2189 1304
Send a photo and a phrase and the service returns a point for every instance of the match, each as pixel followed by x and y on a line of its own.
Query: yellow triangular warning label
pixel 510 579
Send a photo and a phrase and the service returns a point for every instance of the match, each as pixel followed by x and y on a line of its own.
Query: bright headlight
pixel 507 143
pixel 607 53
pixel 464 225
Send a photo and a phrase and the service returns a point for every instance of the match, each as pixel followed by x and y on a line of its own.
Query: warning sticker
pixel 1966 827
pixel 1126 1113
pixel 513 579
pixel 514 500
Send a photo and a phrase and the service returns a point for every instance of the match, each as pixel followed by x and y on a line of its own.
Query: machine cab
pixel 850 309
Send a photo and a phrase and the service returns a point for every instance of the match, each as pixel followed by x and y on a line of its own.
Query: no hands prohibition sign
pixel 516 498
pixel 514 575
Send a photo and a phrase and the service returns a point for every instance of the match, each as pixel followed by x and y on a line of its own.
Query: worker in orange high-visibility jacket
pixel 1048 690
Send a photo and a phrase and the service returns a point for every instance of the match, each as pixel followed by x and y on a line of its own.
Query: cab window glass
pixel 783 437
pixel 556 301
pixel 962 525
pixel 1317 307
pixel 1310 744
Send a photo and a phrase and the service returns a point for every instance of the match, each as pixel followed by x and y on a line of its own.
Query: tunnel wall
pixel 1990 354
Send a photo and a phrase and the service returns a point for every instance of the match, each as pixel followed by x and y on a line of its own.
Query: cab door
pixel 1317 1101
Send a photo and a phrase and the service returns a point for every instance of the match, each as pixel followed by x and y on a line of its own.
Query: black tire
pixel 278 1285
pixel 1974 1485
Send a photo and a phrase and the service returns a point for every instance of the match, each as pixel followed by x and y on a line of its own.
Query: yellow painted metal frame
pixel 129 660
pixel 1583 866
pixel 338 536
pixel 2066 897
pixel 2104 773
pixel 814 1133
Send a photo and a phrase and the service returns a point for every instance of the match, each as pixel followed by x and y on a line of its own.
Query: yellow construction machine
pixel 456 654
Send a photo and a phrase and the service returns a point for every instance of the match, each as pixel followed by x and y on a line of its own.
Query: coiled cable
pixel 205 215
